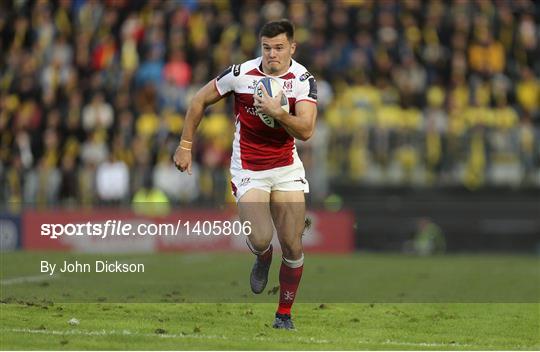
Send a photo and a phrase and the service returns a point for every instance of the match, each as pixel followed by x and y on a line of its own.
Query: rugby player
pixel 268 178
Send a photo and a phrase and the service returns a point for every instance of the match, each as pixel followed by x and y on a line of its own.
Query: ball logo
pixel 273 88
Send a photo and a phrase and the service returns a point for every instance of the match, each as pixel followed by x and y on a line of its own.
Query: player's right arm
pixel 205 97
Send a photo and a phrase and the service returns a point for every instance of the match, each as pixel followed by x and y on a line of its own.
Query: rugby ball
pixel 273 88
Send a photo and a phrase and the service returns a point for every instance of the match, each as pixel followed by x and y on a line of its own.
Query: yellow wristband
pixel 188 149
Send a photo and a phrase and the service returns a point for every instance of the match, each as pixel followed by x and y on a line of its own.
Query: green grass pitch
pixel 202 301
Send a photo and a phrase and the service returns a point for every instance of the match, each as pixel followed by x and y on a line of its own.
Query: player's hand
pixel 182 159
pixel 268 105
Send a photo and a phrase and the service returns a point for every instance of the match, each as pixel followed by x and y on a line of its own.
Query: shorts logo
pixel 300 180
pixel 245 181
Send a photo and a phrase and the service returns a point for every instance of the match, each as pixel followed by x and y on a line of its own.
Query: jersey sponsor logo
pixel 225 73
pixel 305 76
pixel 251 110
pixel 236 70
pixel 253 84
pixel 312 89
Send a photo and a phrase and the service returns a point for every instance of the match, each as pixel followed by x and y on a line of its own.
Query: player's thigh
pixel 288 210
pixel 254 207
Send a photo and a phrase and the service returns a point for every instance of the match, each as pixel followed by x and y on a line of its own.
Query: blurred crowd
pixel 411 93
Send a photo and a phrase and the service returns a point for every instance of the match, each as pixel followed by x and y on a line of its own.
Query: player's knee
pixel 259 244
pixel 292 250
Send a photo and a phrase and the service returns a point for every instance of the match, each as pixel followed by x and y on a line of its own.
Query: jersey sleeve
pixel 307 88
pixel 226 80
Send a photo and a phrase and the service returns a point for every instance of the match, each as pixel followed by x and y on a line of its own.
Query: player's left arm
pixel 301 125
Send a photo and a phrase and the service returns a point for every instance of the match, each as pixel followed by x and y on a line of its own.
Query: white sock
pixel 294 263
pixel 254 251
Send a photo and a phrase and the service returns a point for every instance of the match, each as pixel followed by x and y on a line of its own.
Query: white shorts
pixel 286 178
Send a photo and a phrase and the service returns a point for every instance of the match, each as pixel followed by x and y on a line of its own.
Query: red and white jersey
pixel 257 146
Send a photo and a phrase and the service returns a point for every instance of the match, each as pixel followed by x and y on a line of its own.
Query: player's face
pixel 276 54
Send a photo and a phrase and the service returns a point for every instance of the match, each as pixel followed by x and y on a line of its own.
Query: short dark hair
pixel 273 28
